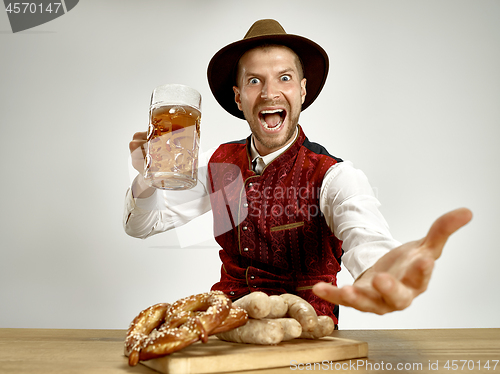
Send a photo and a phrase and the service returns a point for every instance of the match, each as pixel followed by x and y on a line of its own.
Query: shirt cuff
pixel 362 257
pixel 141 205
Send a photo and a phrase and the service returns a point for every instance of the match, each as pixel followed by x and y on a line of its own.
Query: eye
pixel 286 78
pixel 254 80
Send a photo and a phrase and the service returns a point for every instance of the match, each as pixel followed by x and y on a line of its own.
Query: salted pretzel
pixel 140 328
pixel 237 317
pixel 163 329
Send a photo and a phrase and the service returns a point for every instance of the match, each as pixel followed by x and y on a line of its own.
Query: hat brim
pixel 222 68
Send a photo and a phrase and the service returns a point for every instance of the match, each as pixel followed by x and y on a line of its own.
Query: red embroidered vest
pixel 273 235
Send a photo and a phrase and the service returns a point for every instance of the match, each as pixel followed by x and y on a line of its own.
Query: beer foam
pixel 176 94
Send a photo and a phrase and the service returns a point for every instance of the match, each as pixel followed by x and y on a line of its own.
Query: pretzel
pixel 163 329
pixel 237 317
pixel 142 325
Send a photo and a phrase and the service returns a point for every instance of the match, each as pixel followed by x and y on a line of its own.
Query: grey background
pixel 412 99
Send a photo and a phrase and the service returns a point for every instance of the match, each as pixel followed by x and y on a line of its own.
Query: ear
pixel 237 97
pixel 303 91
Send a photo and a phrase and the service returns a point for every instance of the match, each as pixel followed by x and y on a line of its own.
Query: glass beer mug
pixel 173 138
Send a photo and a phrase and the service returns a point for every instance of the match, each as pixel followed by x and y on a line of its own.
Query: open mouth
pixel 272 120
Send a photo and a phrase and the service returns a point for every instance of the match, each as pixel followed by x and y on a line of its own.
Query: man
pixel 286 212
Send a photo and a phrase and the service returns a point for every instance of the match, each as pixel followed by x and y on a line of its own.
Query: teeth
pixel 275 128
pixel 272 111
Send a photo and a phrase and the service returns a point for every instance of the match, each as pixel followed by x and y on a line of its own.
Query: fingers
pixel 141 135
pixel 361 299
pixel 443 227
pixel 138 140
pixel 138 151
pixel 335 295
pixel 328 292
pixel 387 295
pixel 384 293
pixel 396 295
pixel 418 274
pixel 410 267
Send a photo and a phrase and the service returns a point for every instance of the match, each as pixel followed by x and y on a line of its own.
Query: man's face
pixel 270 91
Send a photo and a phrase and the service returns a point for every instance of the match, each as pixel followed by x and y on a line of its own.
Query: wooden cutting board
pixel 218 356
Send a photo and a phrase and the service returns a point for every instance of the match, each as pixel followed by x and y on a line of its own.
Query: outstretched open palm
pixel 399 276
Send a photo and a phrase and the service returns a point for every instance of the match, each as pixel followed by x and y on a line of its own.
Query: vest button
pixel 245 205
pixel 254 286
pixel 245 228
pixel 245 249
pixel 250 184
pixel 231 293
pixel 252 277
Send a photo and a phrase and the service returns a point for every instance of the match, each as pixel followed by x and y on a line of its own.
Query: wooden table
pixel 101 351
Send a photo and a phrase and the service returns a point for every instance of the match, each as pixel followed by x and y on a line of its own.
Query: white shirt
pixel 262 161
pixel 347 202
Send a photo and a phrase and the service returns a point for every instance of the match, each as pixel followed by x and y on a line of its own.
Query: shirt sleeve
pixel 165 210
pixel 351 211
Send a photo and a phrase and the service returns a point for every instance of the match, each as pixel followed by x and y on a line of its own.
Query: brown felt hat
pixel 222 67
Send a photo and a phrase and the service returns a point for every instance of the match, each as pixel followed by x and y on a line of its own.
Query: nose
pixel 270 91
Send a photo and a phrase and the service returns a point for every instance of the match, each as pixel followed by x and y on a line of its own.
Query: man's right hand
pixel 137 148
pixel 138 151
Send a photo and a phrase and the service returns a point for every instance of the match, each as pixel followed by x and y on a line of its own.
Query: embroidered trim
pixel 287 227
pixel 306 287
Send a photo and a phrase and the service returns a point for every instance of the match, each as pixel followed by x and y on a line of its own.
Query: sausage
pixel 255 331
pixel 279 307
pixel 302 311
pixel 324 327
pixel 256 304
pixel 292 328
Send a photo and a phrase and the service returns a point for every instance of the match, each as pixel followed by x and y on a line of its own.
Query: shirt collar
pixel 271 156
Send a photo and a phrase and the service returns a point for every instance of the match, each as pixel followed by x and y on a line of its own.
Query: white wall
pixel 412 99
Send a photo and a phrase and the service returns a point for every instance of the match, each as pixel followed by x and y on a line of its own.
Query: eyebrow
pixel 281 72
pixel 284 71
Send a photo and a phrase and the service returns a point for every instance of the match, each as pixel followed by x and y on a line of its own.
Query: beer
pixel 172 150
